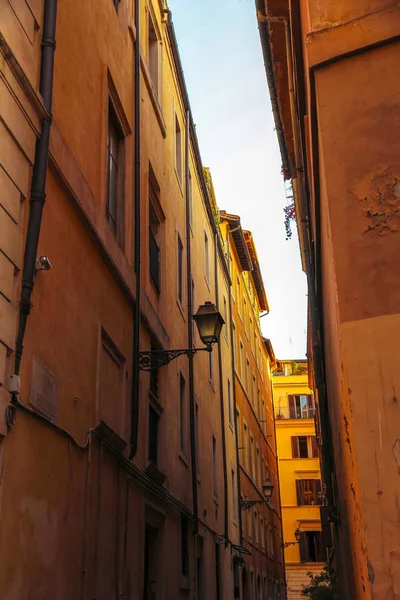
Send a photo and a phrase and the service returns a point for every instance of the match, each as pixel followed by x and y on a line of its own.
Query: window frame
pixel 178 148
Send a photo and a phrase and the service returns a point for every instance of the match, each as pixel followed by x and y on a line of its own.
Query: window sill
pixel 184 459
pixel 153 97
pixel 181 309
pixel 179 180
pixel 232 427
pixel 184 583
pixel 154 473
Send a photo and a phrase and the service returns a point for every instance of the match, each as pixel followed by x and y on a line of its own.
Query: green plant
pixel 320 587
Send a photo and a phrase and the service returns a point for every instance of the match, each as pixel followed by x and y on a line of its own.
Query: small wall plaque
pixel 43 390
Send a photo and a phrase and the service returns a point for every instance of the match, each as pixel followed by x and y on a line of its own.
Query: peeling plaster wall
pixel 360 218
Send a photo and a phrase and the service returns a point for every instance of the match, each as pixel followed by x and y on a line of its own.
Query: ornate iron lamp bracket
pixel 246 504
pixel 150 360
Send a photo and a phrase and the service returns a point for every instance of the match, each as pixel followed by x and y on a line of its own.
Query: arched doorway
pixel 245 584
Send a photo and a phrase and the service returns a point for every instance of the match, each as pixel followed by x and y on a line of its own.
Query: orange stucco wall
pixel 74 509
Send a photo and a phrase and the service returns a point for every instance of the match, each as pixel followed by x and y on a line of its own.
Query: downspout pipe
pixel 239 490
pixel 221 396
pixel 39 174
pixel 137 248
pixel 192 411
pixel 310 271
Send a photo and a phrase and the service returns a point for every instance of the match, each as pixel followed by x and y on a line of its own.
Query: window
pixel 238 296
pixel 304 447
pixel 248 388
pixel 154 57
pixel 241 357
pixel 218 571
pixel 111 382
pixel 254 393
pixel 210 367
pixel 301 406
pixel 184 546
pixel 215 470
pixel 190 199
pixel 234 496
pixel 307 491
pixel 193 304
pixel 230 407
pixel 156 216
pixel 182 408
pixel 262 530
pixel 234 345
pixel 154 420
pixel 263 419
pixel 258 467
pixel 271 540
pixel 151 562
pixel 206 258
pixel 180 269
pixel 115 3
pixel 311 547
pixel 178 149
pixel 226 328
pixel 247 461
pixel 115 173
pixel 255 537
pixel 196 438
pixel 252 459
pixel 154 374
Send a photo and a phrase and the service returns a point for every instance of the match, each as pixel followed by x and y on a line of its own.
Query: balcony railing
pixel 294 413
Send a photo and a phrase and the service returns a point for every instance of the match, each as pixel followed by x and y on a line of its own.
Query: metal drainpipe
pixel 239 491
pixel 192 412
pixel 39 174
pixel 137 261
pixel 326 463
pixel 221 394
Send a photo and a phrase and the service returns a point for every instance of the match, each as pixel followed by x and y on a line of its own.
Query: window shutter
pixel 295 447
pixel 319 551
pixel 317 483
pixel 299 492
pixel 292 408
pixel 310 406
pixel 314 446
pixel 303 547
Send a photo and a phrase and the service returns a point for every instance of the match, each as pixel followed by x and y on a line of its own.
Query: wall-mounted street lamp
pixel 209 324
pixel 268 488
pixel 297 535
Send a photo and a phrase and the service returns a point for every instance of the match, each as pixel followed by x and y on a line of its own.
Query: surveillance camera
pixel 43 264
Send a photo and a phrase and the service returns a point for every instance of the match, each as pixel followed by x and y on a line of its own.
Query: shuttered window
pixel 156 219
pixel 304 446
pixel 307 491
pixel 311 549
pixel 301 406
pixel 154 254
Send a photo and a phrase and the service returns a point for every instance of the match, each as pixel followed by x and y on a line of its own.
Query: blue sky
pixel 222 60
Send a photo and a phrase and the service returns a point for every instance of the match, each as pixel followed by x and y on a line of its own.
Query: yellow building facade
pixel 299 474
